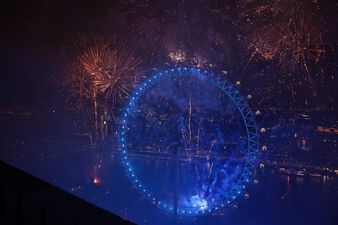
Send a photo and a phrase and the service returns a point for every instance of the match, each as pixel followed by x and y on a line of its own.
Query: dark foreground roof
pixel 27 200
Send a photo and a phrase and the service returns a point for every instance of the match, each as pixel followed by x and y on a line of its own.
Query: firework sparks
pixel 177 56
pixel 113 73
pixel 283 34
pixel 260 13
pixel 173 31
pixel 101 75
pixel 79 84
pixel 199 61
pixel 266 47
pixel 301 43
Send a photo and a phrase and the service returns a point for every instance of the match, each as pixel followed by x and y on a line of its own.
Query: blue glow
pixel 198 202
pixel 228 180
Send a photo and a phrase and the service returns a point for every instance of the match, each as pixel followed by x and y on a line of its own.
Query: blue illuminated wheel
pixel 188 140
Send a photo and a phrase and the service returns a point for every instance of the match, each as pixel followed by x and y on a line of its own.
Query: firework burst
pixel 300 44
pixel 113 72
pixel 266 47
pixel 284 31
pixel 79 83
pixel 175 31
pixel 261 13
pixel 100 78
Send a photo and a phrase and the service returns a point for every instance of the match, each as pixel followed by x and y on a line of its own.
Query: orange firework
pixel 265 42
pixel 113 72
pixel 301 43
pixel 264 12
pixel 79 83
pixel 285 31
pixel 101 75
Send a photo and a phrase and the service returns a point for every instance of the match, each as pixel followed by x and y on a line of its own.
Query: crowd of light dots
pixel 248 119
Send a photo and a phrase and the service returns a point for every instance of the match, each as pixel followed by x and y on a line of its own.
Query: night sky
pixel 68 69
pixel 36 35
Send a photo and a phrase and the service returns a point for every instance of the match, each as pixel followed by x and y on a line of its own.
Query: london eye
pixel 174 150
